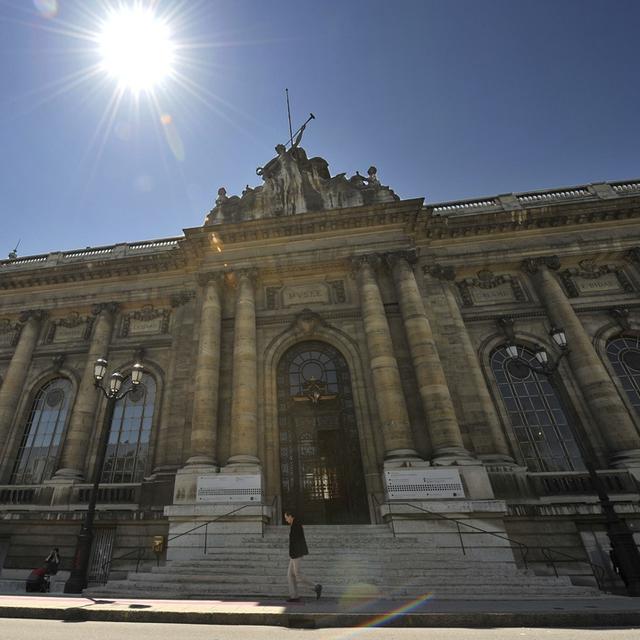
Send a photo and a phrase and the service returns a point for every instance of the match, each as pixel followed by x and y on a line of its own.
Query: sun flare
pixel 136 48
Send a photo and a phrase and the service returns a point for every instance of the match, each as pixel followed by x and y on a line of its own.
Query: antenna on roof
pixel 289 116
pixel 14 254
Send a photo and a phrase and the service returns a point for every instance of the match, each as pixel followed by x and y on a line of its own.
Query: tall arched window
pixel 128 447
pixel 624 354
pixel 539 422
pixel 40 442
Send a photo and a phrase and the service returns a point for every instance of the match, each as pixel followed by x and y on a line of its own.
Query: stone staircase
pixel 363 561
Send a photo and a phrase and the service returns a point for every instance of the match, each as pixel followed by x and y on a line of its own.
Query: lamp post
pixel 78 578
pixel 624 552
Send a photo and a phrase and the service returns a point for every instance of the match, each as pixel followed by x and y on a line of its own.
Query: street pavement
pixel 13 629
pixel 428 611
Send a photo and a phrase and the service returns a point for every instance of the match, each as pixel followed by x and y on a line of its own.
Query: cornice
pixel 93 270
pixel 403 213
pixel 436 227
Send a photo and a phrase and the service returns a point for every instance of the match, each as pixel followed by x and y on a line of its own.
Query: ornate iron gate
pixel 320 460
pixel 101 552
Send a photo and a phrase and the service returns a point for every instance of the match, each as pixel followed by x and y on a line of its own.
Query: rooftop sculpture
pixel 293 184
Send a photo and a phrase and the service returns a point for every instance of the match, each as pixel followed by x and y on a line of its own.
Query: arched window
pixel 40 443
pixel 624 354
pixel 128 447
pixel 539 422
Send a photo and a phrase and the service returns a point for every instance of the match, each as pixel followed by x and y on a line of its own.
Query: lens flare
pixel 136 48
pixel 46 8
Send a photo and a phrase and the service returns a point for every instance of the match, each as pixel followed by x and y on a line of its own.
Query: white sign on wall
pixel 423 484
pixel 229 487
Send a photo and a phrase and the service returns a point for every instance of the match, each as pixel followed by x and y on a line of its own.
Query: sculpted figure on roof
pixel 294 184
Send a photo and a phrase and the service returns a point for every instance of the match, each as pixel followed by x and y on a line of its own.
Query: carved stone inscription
pixel 500 293
pixel 147 321
pixel 488 288
pixel 605 282
pixel 589 278
pixel 305 294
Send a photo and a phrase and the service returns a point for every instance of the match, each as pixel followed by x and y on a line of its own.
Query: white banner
pixel 229 487
pixel 421 484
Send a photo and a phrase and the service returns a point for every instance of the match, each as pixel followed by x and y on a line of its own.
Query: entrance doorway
pixel 320 460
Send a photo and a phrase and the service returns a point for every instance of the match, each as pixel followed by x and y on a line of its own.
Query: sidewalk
pixel 611 611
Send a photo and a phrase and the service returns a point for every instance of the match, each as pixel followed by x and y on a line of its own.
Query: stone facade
pixel 416 301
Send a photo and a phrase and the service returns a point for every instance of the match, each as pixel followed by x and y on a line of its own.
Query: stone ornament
pixel 589 278
pixel 70 328
pixel 488 288
pixel 146 321
pixel 283 296
pixel 9 332
pixel 293 184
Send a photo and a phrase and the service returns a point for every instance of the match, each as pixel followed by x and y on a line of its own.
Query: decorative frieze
pixel 310 293
pixel 146 321
pixel 590 279
pixel 182 298
pixel 488 288
pixel 72 328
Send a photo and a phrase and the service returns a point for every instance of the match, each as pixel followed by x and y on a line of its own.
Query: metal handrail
pixel 598 570
pixel 458 522
pixel 140 549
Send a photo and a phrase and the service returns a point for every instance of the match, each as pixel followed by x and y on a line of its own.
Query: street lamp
pixel 625 553
pixel 78 578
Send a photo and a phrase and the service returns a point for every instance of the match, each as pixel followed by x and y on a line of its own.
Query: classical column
pixel 615 425
pixel 81 424
pixel 490 443
pixel 442 423
pixel 387 388
pixel 170 443
pixel 204 421
pixel 13 384
pixel 244 402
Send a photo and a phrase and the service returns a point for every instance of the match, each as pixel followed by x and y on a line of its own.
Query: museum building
pixel 321 345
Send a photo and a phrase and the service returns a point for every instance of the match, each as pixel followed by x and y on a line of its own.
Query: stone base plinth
pixel 198 529
pixel 474 528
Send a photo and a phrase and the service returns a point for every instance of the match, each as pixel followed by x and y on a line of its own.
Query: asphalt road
pixel 22 629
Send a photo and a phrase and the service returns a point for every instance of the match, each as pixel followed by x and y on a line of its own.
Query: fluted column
pixel 490 443
pixel 244 403
pixel 613 421
pixel 392 409
pixel 204 423
pixel 13 383
pixel 444 431
pixel 83 415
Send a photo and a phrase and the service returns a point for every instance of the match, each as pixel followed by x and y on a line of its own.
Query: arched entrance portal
pixel 320 462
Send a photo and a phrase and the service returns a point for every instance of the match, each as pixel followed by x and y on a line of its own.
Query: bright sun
pixel 136 48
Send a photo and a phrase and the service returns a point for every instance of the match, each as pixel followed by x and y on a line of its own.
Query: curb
pixel 326 620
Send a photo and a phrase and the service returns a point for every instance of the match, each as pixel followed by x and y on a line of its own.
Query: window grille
pixel 40 444
pixel 537 417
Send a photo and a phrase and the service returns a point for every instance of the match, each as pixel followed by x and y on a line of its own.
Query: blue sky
pixel 449 99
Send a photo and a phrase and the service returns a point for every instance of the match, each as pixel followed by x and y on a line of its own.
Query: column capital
pixel 371 260
pixel 532 265
pixel 215 277
pixel 36 314
pixel 234 276
pixel 440 272
pixel 109 307
pixel 394 257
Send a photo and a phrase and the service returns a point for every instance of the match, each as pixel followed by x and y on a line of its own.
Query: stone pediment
pixel 293 184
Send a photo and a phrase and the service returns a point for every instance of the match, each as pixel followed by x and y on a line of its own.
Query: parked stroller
pixel 39 581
